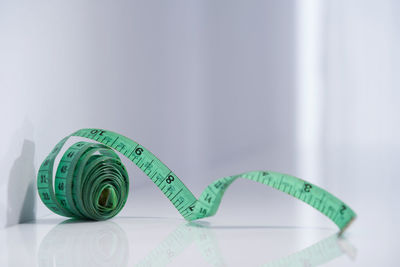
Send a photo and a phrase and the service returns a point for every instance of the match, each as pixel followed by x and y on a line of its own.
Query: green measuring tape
pixel 92 183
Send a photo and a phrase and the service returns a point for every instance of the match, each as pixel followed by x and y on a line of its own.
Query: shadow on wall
pixel 21 187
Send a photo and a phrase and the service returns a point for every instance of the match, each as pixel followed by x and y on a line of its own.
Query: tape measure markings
pixel 79 163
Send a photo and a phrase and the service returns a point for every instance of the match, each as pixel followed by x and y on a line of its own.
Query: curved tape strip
pixel 91 182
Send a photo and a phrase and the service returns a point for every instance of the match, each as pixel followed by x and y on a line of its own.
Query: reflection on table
pixel 75 243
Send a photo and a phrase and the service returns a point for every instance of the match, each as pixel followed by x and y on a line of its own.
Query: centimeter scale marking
pixel 83 163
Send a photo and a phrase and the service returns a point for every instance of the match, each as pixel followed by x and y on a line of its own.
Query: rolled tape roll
pixel 92 183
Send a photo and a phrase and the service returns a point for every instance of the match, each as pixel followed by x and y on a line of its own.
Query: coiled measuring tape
pixel 92 183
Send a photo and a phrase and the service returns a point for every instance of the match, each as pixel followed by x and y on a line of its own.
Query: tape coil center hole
pixel 104 199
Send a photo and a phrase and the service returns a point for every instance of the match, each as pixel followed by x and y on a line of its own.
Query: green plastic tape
pixel 92 183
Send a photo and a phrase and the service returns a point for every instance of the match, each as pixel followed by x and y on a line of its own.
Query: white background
pixel 309 88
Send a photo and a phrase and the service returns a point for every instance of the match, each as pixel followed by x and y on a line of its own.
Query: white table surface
pixel 262 227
